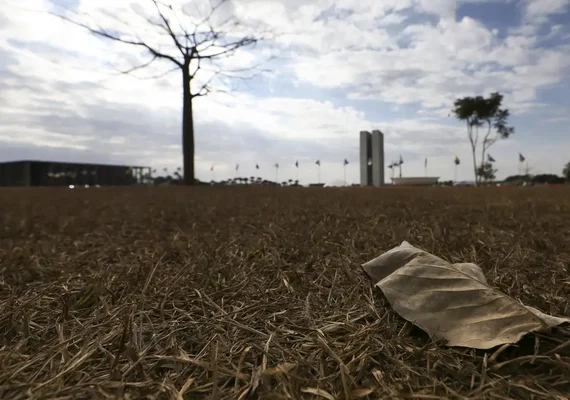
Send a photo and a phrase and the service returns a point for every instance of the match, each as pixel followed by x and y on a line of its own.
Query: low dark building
pixel 50 173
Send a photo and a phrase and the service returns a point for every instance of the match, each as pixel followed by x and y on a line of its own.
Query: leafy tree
pixel 566 172
pixel 547 178
pixel 486 172
pixel 196 46
pixel 518 178
pixel 483 116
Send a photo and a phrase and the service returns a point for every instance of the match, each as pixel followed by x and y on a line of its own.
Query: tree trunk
pixel 187 127
pixel 484 150
pixel 473 149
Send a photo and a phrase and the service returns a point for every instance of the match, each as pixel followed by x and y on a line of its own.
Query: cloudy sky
pixel 339 67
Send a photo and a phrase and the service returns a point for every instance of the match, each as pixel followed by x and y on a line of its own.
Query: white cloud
pixel 540 9
pixel 442 8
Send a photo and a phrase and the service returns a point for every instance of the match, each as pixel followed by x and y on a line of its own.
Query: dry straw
pixel 257 293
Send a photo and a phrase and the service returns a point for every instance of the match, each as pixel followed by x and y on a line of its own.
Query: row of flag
pixel 276 165
pixel 398 163
pixel 489 158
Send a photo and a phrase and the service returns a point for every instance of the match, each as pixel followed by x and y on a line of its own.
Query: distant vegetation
pixel 566 172
pixel 539 179
pixel 177 180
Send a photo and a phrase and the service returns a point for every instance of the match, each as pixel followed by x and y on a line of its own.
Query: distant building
pixel 51 173
pixel 371 158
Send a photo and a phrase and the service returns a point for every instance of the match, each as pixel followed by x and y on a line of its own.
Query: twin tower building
pixel 371 158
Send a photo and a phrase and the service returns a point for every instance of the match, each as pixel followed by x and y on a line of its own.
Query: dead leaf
pixel 452 302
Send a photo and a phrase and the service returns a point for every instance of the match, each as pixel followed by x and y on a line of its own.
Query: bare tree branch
pixel 228 49
pixel 158 76
pixel 205 88
pixel 103 33
pixel 169 29
pixel 140 66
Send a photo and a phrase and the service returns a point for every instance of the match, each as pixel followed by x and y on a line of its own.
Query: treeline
pixel 177 180
pixel 539 179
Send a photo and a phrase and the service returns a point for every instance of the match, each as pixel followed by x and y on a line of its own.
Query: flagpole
pixel 344 174
pixel 319 174
pixel 455 174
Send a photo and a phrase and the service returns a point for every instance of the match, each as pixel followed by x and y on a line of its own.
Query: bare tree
pixel 197 45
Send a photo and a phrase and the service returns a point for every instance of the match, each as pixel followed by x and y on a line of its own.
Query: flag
pixel 491 159
pixel 276 165
pixel 521 158
pixel 345 161
pixel 237 167
pixel 318 163
pixel 401 160
pixel 457 162
pixel 391 166
pixel 256 166
pixel 297 164
pixel 212 167
pixel 425 163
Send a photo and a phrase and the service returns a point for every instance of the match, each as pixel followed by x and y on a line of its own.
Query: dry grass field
pixel 257 293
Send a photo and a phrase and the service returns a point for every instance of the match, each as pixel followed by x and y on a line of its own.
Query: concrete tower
pixel 371 158
pixel 377 158
pixel 365 157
